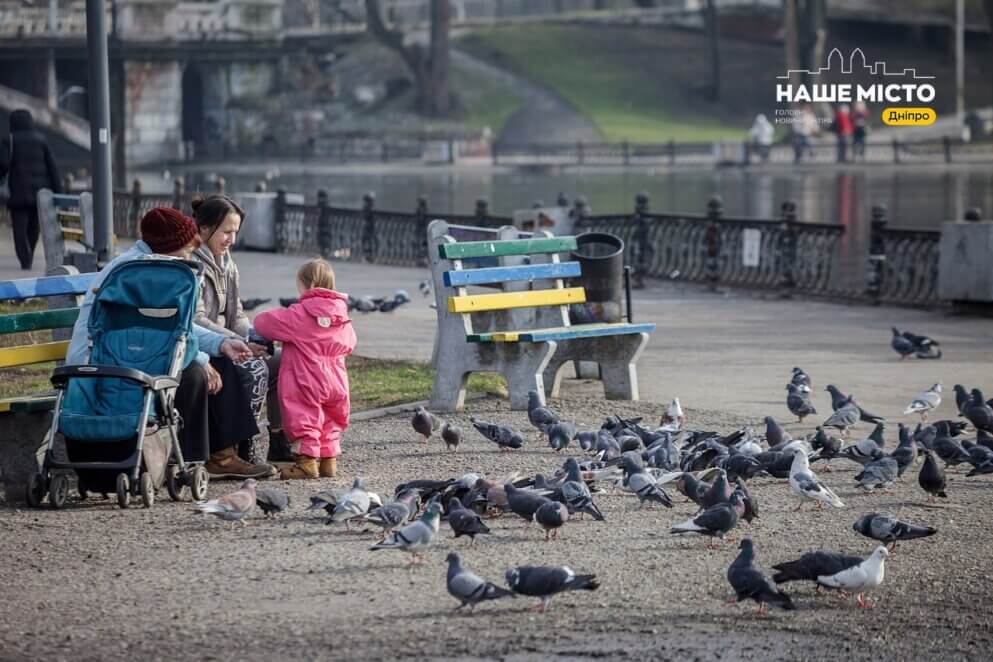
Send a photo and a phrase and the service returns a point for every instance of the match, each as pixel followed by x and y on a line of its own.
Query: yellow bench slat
pixel 72 233
pixel 30 354
pixel 476 303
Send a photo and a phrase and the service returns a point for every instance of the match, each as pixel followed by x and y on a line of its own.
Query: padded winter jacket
pixel 219 308
pixel 30 166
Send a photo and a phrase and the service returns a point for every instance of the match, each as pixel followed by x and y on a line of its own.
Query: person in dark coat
pixel 28 164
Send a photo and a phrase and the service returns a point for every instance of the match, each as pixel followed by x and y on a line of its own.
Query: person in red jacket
pixel 317 335
pixel 843 129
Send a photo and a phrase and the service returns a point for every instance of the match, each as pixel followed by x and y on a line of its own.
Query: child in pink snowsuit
pixel 313 381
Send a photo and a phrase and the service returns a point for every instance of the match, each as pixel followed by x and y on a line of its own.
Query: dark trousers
pixel 191 403
pixel 230 409
pixel 26 229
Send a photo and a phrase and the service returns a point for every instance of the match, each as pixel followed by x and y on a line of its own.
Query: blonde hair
pixel 316 273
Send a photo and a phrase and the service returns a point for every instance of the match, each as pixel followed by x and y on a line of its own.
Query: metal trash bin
pixel 601 256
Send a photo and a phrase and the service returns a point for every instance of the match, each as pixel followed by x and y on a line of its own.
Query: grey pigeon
pixel 901 345
pixel 691 488
pixel 539 415
pixel 838 400
pixel 926 402
pixel 740 466
pixel 326 500
pixel 415 536
pixel 451 435
pixel 643 484
pixel 576 493
pixel 501 435
pixel 464 522
pixel 985 438
pixel 750 583
pixel 880 472
pixel 905 453
pixel 889 530
pixel 844 417
pixel 716 521
pixel 932 478
pixel 545 581
pixel 981 459
pixel 551 517
pixel 354 503
pixel 962 397
pixel 468 588
pixel 827 446
pixel 587 439
pixel 523 502
pixel 394 514
pixel 949 450
pixel 812 565
pixel 560 435
pixel 425 423
pixel 978 412
pixel 774 432
pixel 234 506
pixel 927 348
pixel 798 402
pixel 719 492
pixel 272 501
pixel 749 502
pixel 801 379
pixel 863 451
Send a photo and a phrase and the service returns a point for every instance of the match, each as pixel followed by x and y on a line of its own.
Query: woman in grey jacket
pixel 219 219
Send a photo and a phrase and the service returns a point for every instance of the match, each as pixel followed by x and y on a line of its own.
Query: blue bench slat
pixel 521 272
pixel 48 286
pixel 62 201
pixel 585 331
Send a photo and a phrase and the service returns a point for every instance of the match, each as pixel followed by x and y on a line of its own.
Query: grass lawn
pixel 484 102
pixel 631 83
pixel 381 382
pixel 26 379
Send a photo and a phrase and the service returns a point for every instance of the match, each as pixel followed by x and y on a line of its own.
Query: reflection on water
pixel 917 197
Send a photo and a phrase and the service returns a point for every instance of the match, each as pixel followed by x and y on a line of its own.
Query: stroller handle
pixel 60 376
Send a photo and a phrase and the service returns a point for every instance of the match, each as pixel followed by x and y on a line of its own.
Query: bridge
pixel 72 127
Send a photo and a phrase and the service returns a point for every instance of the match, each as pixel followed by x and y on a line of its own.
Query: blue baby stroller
pixel 114 424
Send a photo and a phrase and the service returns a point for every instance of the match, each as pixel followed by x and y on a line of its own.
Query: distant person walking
pixel 761 135
pixel 860 126
pixel 803 130
pixel 843 130
pixel 28 164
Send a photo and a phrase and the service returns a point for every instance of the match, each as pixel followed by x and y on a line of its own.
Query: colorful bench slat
pixel 477 303
pixel 561 333
pixel 61 318
pixel 49 286
pixel 30 354
pixel 43 402
pixel 477 249
pixel 511 274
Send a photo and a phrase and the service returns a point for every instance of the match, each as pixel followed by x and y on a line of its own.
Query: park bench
pixel 26 418
pixel 522 330
pixel 66 218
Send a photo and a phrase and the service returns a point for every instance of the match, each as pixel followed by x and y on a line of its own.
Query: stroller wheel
pixel 123 490
pixel 36 490
pixel 198 479
pixel 58 491
pixel 174 485
pixel 147 490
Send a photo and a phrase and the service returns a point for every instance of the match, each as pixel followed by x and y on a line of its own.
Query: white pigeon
pixel 862 577
pixel 354 503
pixel 807 486
pixel 925 402
pixel 672 420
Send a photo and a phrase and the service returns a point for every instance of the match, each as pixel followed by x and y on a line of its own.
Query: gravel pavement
pixel 95 583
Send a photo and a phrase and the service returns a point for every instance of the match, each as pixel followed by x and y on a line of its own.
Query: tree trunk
pixel 440 96
pixel 715 51
pixel 790 41
pixel 812 33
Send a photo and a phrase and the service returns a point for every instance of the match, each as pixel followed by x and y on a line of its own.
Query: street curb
pixel 370 414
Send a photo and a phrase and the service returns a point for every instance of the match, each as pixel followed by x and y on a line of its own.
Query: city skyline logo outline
pixel 873 69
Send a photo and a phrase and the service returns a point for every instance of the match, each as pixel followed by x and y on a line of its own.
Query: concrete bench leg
pixel 524 368
pixel 21 437
pixel 448 390
pixel 620 375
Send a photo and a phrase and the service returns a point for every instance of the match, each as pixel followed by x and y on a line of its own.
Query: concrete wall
pixel 154 104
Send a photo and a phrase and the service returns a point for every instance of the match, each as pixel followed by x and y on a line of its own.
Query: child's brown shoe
pixel 304 467
pixel 329 467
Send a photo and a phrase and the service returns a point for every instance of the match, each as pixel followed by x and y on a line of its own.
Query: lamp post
pixel 99 97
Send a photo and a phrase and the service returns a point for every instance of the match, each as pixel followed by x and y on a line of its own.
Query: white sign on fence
pixel 751 247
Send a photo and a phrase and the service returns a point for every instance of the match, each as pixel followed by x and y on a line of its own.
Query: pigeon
pixel 962 397
pixel 464 522
pixel 415 536
pixel 234 506
pixel 862 451
pixel 643 484
pixel 927 348
pixel 838 399
pixel 801 380
pixel 981 459
pixel 425 423
pixel 715 521
pixel 806 485
pixel 577 494
pixel 252 304
pixel 977 412
pixel 798 402
pixel 501 435
pixel 719 492
pixel 539 415
pixel 673 417
pixel 860 578
pixel 587 439
pixel 925 402
pixel 560 435
pixel 394 514
pixel 749 502
pixel 776 464
pixel 286 302
pixel 889 530
pixel 812 565
pixel 271 500
pixel 354 503
pixel 905 453
pixel 451 435
pixel 524 503
pixel 985 438
pixel 544 581
pixel 844 417
pixel 551 517
pixel 901 345
pixel 932 478
pixel 774 432
pixel 827 447
pixel 691 488
pixel 468 588
pixel 326 500
pixel 741 466
pixel 880 472
pixel 949 450
pixel 749 582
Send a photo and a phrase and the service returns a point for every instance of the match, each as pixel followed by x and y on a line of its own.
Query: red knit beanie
pixel 166 230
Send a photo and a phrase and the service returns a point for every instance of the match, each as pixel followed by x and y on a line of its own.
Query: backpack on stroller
pixel 114 423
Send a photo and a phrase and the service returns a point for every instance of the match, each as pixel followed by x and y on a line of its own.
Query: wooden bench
pixel 25 418
pixel 65 218
pixel 522 330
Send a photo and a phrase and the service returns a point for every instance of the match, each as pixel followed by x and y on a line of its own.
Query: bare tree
pixel 790 40
pixel 428 65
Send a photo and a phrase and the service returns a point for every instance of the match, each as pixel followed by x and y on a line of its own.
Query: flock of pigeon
pixel 647 462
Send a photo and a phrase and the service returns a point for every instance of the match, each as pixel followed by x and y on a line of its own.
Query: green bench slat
pixel 36 320
pixel 486 276
pixel 28 404
pixel 562 333
pixel 49 286
pixel 475 249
